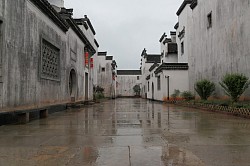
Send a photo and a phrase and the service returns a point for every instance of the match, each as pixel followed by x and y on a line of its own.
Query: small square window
pixel 138 77
pixel 209 20
pixel 182 48
pixel 103 69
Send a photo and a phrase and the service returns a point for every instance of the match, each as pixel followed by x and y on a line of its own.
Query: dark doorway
pixel 86 86
pixel 72 84
pixel 153 91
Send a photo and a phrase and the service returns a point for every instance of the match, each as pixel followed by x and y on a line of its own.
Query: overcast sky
pixel 125 27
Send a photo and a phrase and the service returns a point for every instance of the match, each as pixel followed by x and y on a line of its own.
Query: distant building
pixel 147 60
pixel 169 74
pixel 106 74
pixel 126 81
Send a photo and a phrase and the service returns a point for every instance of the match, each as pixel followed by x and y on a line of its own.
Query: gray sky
pixel 125 27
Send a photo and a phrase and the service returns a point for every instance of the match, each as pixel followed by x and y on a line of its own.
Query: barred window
pixel 50 61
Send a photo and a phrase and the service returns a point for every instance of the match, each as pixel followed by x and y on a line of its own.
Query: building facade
pixel 106 74
pixel 168 75
pixel 219 40
pixel 147 60
pixel 44 55
pixel 126 81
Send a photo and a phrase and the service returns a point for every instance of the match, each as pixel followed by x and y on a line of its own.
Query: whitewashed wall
pixel 223 48
pixel 184 21
pixel 126 84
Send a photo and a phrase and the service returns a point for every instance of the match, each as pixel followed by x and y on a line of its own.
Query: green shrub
pixel 187 95
pixel 176 94
pixel 137 89
pixel 99 95
pixel 234 85
pixel 98 92
pixel 204 88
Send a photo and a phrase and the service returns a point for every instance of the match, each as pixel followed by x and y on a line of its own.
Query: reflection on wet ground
pixel 128 132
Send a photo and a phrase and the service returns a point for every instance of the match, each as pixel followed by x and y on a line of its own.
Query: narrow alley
pixel 128 132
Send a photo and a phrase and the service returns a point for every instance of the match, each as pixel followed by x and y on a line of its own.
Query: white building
pixel 216 40
pixel 126 80
pixel 165 77
pixel 44 59
pixel 106 74
pixel 147 60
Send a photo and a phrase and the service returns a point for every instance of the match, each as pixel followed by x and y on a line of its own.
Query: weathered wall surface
pixel 178 79
pixel 105 77
pixel 184 24
pixel 26 28
pixel 126 84
pixel 223 48
pixel 145 73
pixel 170 58
pixel 75 61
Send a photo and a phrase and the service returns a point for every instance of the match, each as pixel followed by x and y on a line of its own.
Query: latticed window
pixel 50 61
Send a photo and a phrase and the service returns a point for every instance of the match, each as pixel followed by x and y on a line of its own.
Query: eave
pixel 183 5
pixel 172 66
pixel 176 25
pixel 153 66
pixel 79 33
pixel 193 4
pixel 49 11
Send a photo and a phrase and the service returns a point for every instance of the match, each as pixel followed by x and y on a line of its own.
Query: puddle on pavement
pixel 128 132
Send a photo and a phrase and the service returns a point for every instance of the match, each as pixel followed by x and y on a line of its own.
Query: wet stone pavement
pixel 128 132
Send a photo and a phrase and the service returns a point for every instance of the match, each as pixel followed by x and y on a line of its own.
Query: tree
pixel 137 90
pixel 204 88
pixel 235 85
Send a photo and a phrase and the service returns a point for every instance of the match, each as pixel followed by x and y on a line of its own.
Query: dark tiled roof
pixel 172 66
pixel 80 21
pixel 109 57
pixel 183 5
pixel 153 58
pixel 153 66
pixel 167 40
pixel 162 37
pixel 67 15
pixel 172 32
pixel 144 52
pixel 172 48
pixel 49 11
pixel 129 72
pixel 96 43
pixel 102 53
pixel 193 4
pixel 176 25
pixel 148 77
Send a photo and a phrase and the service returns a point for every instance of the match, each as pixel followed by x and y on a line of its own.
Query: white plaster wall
pixel 178 79
pixel 22 84
pixel 152 84
pixel 145 73
pixel 105 78
pixel 89 34
pixel 171 58
pixel 126 84
pixel 184 21
pixel 224 48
